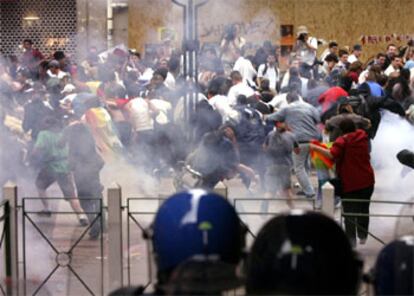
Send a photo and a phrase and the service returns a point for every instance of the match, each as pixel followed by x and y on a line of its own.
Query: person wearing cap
pixel 69 93
pixel 356 54
pixel 55 71
pixel 306 48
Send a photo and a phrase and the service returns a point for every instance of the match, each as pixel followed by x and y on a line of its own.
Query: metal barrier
pixel 132 218
pixel 63 258
pixel 136 216
pixel 381 215
pixel 11 238
pixel 5 246
pixel 237 201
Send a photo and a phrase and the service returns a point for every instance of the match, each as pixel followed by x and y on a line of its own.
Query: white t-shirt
pixel 221 104
pixel 271 73
pixel 411 74
pixel 390 70
pixel 352 58
pixel 363 76
pixel 60 75
pixel 164 107
pixel 246 69
pixel 279 101
pixel 239 89
pixel 140 115
pixel 146 75
pixel 170 81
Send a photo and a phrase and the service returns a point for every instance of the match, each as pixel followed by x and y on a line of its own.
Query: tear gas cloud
pixel 392 178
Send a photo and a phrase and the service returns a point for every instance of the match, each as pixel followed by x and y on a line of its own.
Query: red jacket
pixel 353 166
pixel 331 96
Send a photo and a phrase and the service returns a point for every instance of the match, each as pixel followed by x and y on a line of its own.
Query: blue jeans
pixel 301 163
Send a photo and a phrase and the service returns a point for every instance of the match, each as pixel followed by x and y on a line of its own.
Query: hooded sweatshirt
pixel 351 154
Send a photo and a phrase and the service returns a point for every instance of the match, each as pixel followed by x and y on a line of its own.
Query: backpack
pixel 359 105
pixel 250 129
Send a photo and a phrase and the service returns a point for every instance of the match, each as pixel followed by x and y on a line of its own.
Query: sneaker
pixel 83 221
pixel 302 193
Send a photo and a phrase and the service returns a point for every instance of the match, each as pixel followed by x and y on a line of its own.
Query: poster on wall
pixel 166 34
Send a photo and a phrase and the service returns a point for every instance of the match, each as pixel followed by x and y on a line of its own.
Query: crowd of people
pixel 248 116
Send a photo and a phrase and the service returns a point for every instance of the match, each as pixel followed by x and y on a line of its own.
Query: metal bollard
pixel 115 256
pixel 221 189
pixel 11 239
pixel 328 199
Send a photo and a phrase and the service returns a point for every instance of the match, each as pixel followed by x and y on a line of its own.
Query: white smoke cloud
pixel 394 134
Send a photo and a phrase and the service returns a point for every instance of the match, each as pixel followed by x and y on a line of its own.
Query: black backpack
pixel 359 105
pixel 250 128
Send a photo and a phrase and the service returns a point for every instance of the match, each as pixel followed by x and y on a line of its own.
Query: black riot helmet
pixel 393 274
pixel 300 253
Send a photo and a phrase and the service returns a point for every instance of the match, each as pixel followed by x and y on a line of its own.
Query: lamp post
pixel 190 47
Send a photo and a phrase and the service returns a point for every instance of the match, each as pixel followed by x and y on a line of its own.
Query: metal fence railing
pixel 271 203
pixel 63 250
pixel 346 203
pixel 126 257
pixel 134 214
pixel 5 250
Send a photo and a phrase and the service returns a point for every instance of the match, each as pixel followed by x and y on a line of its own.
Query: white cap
pixel 68 88
pixel 302 30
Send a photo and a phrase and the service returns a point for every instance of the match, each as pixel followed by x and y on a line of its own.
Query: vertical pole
pixel 7 248
pixel 87 24
pixel 109 23
pixel 328 200
pixel 12 238
pixel 115 237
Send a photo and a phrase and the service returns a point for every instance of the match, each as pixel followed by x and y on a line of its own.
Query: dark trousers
pixel 89 192
pixel 357 225
pixel 305 70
